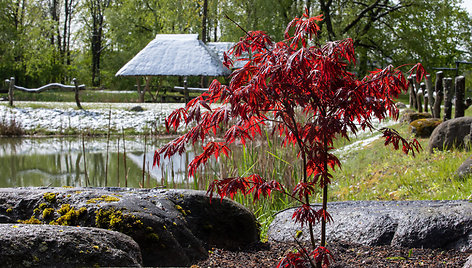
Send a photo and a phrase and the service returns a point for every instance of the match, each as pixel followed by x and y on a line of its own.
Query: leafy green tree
pixel 434 32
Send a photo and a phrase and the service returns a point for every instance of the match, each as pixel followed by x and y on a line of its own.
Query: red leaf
pixel 262 187
pixel 305 214
pixel 292 260
pixel 156 159
pixel 322 255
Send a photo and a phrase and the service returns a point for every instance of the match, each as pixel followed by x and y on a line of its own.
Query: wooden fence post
pixel 429 89
pixel 439 94
pixel 460 92
pixel 77 94
pixel 419 96
pixel 10 90
pixel 413 102
pixel 449 94
pixel 425 96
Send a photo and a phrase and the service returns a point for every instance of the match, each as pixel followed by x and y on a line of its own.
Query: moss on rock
pixel 424 127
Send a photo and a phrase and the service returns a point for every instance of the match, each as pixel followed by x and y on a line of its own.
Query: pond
pixel 86 162
pixel 62 162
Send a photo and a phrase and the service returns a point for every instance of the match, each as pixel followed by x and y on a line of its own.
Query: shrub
pixel 278 82
pixel 10 128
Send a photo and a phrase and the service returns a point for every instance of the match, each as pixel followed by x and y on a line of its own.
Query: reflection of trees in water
pixel 9 145
pixel 26 162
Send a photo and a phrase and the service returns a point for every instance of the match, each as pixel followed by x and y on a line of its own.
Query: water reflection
pixel 61 161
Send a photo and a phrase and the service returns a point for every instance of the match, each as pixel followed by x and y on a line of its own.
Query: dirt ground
pixel 346 255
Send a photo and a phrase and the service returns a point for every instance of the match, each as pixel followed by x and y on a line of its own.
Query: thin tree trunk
pixel 204 21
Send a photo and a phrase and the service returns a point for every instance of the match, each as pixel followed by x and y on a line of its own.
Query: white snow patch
pixel 95 116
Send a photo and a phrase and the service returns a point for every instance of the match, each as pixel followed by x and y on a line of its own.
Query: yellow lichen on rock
pixel 103 198
pixel 31 220
pixel 50 197
pixel 69 216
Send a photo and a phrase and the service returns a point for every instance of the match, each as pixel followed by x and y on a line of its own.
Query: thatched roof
pixel 219 48
pixel 174 54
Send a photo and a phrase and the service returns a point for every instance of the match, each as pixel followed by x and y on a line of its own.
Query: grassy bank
pixel 103 96
pixel 379 173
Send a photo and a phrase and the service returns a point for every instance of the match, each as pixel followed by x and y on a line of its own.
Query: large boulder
pixel 468 263
pixel 424 127
pixel 400 105
pixel 450 134
pixel 171 227
pixel 409 116
pixel 428 224
pixel 465 169
pixel 27 245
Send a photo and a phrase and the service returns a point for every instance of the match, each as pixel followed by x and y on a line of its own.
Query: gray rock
pixel 429 224
pixel 468 263
pixel 409 116
pixel 160 221
pixel 228 224
pixel 450 134
pixel 400 105
pixel 465 169
pixel 424 127
pixel 137 109
pixel 26 245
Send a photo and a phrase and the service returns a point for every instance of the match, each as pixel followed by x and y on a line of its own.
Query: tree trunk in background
pixel 204 21
pixel 69 8
pixel 362 62
pixel 308 7
pixel 56 40
pixel 97 10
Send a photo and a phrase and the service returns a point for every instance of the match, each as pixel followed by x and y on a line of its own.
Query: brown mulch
pixel 346 255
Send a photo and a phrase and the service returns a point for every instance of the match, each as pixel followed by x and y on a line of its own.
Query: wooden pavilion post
pixel 147 86
pixel 140 92
pixel 186 97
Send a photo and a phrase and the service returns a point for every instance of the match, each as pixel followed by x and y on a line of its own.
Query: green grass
pixel 378 172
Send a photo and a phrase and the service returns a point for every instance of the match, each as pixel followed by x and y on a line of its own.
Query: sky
pixel 468 5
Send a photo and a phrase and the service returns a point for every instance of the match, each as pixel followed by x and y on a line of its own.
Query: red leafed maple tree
pixel 278 83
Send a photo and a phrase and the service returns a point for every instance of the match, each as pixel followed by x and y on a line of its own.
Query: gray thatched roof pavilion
pixel 173 55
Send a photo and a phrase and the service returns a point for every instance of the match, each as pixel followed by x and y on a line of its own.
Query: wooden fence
pixel 74 88
pixel 182 96
pixel 452 94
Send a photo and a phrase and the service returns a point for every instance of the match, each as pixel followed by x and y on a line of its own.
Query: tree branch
pixel 360 16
